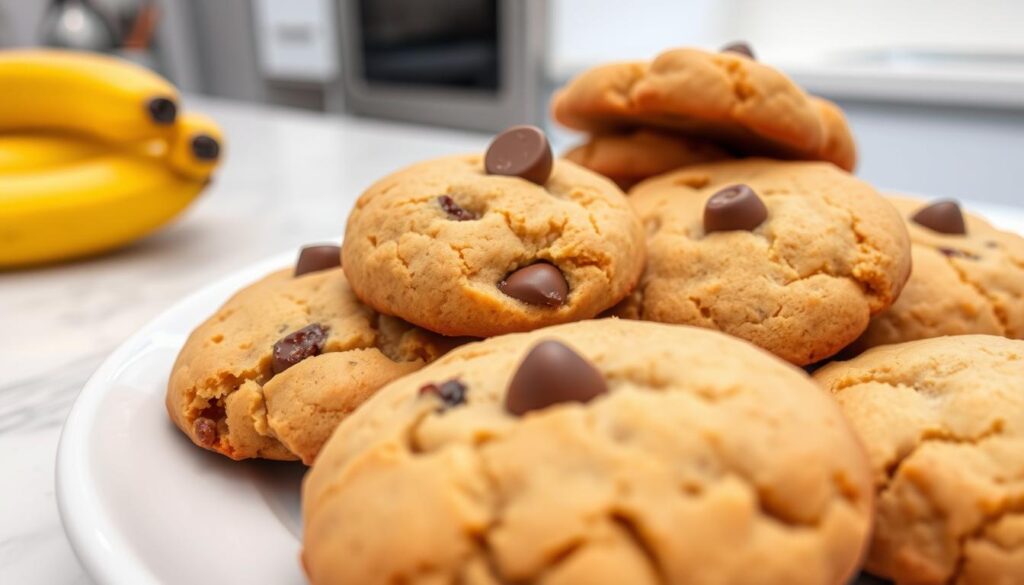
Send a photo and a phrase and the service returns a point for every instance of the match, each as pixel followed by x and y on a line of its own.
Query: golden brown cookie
pixel 450 247
pixel 274 370
pixel 725 97
pixel 797 266
pixel 961 283
pixel 943 423
pixel 838 146
pixel 599 452
pixel 630 157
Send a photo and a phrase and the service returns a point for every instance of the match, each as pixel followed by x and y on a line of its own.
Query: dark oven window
pixel 446 43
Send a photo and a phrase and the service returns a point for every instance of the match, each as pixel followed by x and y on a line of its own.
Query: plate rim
pixel 94 536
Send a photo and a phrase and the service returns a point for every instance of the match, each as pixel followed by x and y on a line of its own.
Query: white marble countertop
pixel 289 178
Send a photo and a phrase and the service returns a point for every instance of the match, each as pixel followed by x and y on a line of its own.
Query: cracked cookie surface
pixel 959 284
pixel 434 242
pixel 943 423
pixel 706 461
pixel 223 392
pixel 803 284
pixel 723 97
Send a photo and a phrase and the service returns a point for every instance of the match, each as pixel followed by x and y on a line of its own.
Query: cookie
pixel 630 157
pixel 967 281
pixel 726 97
pixel 460 246
pixel 604 451
pixel 943 423
pixel 793 256
pixel 275 369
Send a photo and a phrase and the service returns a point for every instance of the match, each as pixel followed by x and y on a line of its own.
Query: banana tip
pixel 162 110
pixel 205 147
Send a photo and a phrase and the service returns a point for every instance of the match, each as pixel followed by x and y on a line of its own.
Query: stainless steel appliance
pixel 474 64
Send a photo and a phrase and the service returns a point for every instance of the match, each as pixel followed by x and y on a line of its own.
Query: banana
pixel 196 147
pixel 22 152
pixel 87 208
pixel 96 95
pixel 107 199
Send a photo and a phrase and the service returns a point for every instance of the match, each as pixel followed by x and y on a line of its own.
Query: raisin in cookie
pixel 630 157
pixel 943 423
pixel 604 451
pixel 480 246
pixel 724 97
pixel 274 370
pixel 793 256
pixel 968 277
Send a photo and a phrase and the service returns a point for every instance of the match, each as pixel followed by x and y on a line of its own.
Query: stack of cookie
pixel 674 441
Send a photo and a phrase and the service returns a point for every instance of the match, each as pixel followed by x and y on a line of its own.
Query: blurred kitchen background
pixel 934 89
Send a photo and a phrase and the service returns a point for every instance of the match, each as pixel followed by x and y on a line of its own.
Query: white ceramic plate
pixel 141 505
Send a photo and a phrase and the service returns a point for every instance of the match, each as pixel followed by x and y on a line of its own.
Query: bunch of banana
pixel 93 154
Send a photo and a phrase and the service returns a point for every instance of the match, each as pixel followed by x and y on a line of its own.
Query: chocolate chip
pixel 452 393
pixel 736 207
pixel 163 111
pixel 205 147
pixel 536 284
pixel 297 346
pixel 943 216
pixel 453 209
pixel 520 151
pixel 318 257
pixel 741 48
pixel 205 431
pixel 954 253
pixel 552 373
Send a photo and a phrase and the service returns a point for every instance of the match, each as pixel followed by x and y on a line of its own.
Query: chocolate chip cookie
pixel 275 369
pixel 943 423
pixel 968 277
pixel 630 157
pixel 793 256
pixel 725 97
pixel 480 246
pixel 604 451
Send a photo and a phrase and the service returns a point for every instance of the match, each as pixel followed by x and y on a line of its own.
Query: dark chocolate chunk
pixel 163 111
pixel 205 431
pixel 297 346
pixel 205 147
pixel 943 216
pixel 520 151
pixel 452 393
pixel 317 257
pixel 740 48
pixel 550 374
pixel 736 207
pixel 453 209
pixel 536 284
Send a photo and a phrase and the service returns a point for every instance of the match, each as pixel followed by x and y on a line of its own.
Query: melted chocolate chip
pixel 317 258
pixel 536 284
pixel 205 431
pixel 954 253
pixel 736 207
pixel 740 48
pixel 452 393
pixel 453 209
pixel 943 216
pixel 297 346
pixel 520 151
pixel 552 373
